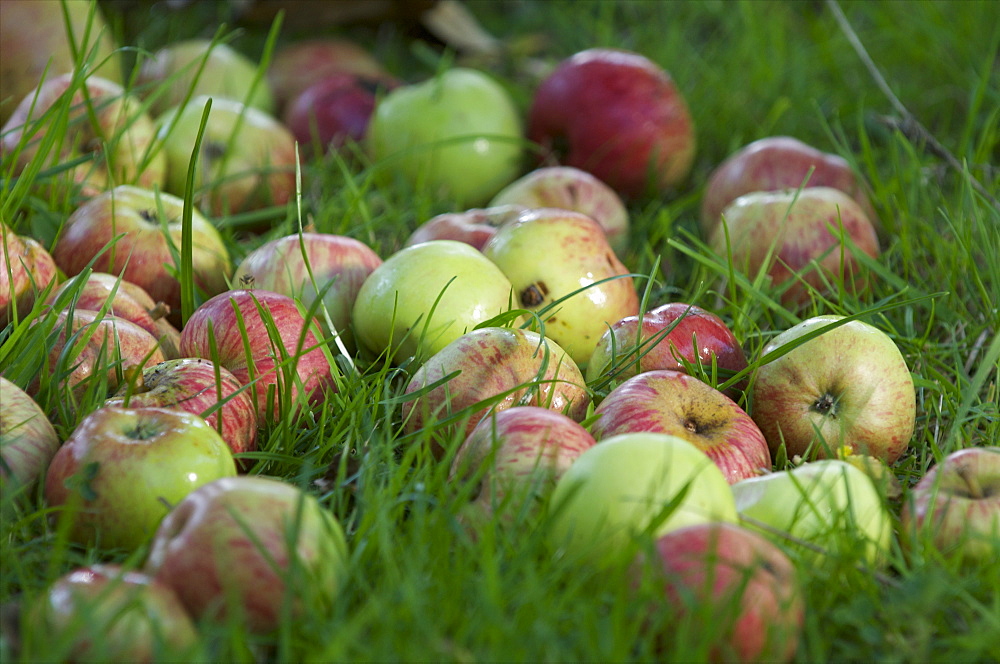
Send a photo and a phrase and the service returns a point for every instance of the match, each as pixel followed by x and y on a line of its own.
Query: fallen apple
pixel 26 269
pixel 28 440
pixel 474 227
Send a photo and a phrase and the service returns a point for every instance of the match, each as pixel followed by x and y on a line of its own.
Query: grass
pixel 419 586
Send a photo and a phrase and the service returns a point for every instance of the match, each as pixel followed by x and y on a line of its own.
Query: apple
pixel 201 67
pixel 457 135
pixel 524 449
pixel 549 254
pixel 772 164
pixel 302 264
pixel 733 583
pixel 104 612
pixel 636 483
pixel 246 160
pixel 123 299
pixel 248 549
pixel 263 339
pixel 474 227
pixel 89 351
pixel 498 368
pixel 617 115
pixel 150 226
pixel 300 64
pixel 425 296
pixel 666 337
pixel 27 439
pixel 956 506
pixel 199 387
pixel 106 124
pixel 122 469
pixel 26 269
pixel 672 402
pixel 829 504
pixel 573 189
pixel 849 386
pixel 335 111
pixel 35 36
pixel 801 239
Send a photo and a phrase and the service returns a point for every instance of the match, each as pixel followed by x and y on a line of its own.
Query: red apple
pixel 302 265
pixel 731 582
pixel 621 118
pixel 104 612
pixel 956 506
pixel 334 111
pixel 282 361
pixel 800 239
pixel 498 368
pixel 473 227
pixel 246 548
pixel 525 448
pixel 665 338
pixel 26 269
pixel 199 387
pixel 123 469
pixel 773 164
pixel 27 439
pixel 675 403
pixel 144 254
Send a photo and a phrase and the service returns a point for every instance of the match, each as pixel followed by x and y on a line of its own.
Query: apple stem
pixel 971 482
pixel 159 310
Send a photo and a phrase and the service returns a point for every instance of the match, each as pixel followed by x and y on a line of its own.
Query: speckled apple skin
pixel 672 402
pixel 27 438
pixel 30 270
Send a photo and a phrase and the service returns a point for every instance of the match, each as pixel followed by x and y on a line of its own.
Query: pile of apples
pixel 533 366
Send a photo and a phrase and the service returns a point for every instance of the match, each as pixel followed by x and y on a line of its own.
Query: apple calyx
pixel 143 431
pixel 149 215
pixel 826 405
pixel 534 295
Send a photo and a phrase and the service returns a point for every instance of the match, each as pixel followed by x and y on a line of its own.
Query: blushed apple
pixel 672 402
pixel 241 548
pixel 26 269
pixel 28 440
pixel 474 227
pixel 123 469
pixel 618 115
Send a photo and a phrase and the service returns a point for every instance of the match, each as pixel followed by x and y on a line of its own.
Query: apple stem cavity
pixel 971 483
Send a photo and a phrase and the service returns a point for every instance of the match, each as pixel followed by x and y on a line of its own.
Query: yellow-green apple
pixel 299 64
pixel 458 135
pixel 772 164
pixel 123 469
pixel 303 264
pixel 137 233
pixel 955 507
pixel 26 269
pixel 264 340
pixel 570 189
pixel 200 387
pixel 109 136
pixel 90 351
pixel 425 296
pixel 634 484
pixel 494 368
pixel 736 585
pixel 118 297
pixel 518 454
pixel 246 160
pixel 201 67
pixel 249 548
pixel 335 111
pixel 618 115
pixel 549 254
pixel 28 440
pixel 35 36
pixel 672 402
pixel 473 227
pixel 104 612
pixel 803 240
pixel 667 337
pixel 829 504
pixel 849 386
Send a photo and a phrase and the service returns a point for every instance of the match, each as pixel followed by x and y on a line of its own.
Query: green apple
pixel 458 134
pixel 634 483
pixel 550 253
pixel 830 504
pixel 122 469
pixel 427 295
